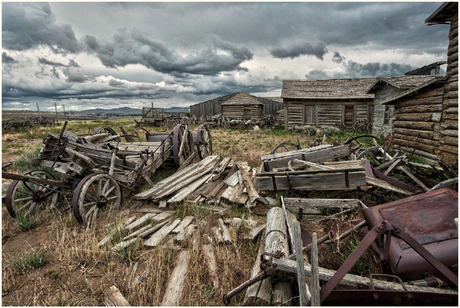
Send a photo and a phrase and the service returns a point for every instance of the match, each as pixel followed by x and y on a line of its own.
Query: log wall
pixel 448 150
pixel 417 120
pixel 378 127
pixel 237 111
pixel 213 106
pixel 328 112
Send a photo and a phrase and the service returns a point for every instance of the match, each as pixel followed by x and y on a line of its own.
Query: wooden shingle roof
pixel 414 90
pixel 328 89
pixel 403 82
pixel 242 98
pixel 443 14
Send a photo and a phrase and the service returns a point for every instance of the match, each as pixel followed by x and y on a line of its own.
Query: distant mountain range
pixel 129 110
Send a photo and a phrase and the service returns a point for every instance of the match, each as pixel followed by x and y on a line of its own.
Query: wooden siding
pixel 213 106
pixel 378 125
pixel 237 111
pixel 328 112
pixel 448 150
pixel 414 127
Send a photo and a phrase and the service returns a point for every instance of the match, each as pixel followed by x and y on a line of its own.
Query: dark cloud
pixel 296 48
pixel 6 59
pixel 47 62
pixel 29 25
pixel 72 63
pixel 358 70
pixel 337 58
pixel 376 69
pixel 76 76
pixel 132 47
pixel 114 83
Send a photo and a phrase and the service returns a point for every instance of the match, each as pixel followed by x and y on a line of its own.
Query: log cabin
pixel 242 106
pixel 447 14
pixel 331 102
pixel 385 88
pixel 417 117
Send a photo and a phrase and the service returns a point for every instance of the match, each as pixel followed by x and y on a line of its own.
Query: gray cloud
pixel 300 47
pixel 132 47
pixel 114 83
pixel 47 62
pixel 6 59
pixel 358 70
pixel 337 58
pixel 30 25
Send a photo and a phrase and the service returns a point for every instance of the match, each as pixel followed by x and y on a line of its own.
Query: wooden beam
pixel 113 297
pixel 175 286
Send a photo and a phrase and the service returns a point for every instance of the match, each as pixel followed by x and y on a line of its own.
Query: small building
pixel 417 117
pixel 242 106
pixel 327 102
pixel 447 14
pixel 383 89
pixel 213 106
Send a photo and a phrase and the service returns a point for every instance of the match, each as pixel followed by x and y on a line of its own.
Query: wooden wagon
pixel 96 168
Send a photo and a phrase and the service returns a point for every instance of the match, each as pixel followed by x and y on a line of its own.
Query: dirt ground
pixel 78 272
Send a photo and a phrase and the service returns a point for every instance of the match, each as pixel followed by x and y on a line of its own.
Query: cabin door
pixel 349 118
pixel 309 115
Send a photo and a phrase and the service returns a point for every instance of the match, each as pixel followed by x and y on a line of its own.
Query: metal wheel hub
pixel 102 202
pixel 38 196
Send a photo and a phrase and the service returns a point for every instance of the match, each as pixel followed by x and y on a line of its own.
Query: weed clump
pixel 24 163
pixel 307 129
pixel 28 260
pixel 26 222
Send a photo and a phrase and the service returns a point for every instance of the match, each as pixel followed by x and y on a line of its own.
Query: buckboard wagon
pixel 96 168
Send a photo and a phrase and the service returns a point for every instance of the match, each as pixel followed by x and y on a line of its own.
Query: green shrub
pixel 306 129
pixel 26 222
pixel 329 130
pixel 23 163
pixel 28 260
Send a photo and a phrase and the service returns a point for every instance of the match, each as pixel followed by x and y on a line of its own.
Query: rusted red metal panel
pixel 429 219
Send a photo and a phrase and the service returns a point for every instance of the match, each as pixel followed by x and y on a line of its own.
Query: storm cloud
pixel 98 54
pixel 299 47
pixel 132 47
pixel 30 25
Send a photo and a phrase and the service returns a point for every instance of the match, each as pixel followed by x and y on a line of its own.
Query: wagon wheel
pixel 95 192
pixel 287 146
pixel 106 130
pixel 387 142
pixel 182 144
pixel 27 198
pixel 362 125
pixel 340 126
pixel 203 141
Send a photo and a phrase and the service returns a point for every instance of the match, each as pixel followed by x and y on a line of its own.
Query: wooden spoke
pixel 20 194
pixel 96 188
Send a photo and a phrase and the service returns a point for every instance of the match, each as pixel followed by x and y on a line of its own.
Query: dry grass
pixel 79 271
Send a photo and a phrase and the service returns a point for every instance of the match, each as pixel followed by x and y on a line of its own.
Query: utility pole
pixel 55 107
pixel 38 108
pixel 65 115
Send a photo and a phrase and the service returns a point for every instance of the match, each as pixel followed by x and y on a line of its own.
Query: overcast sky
pixel 108 55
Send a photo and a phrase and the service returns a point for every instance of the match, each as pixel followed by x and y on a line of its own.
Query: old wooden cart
pixel 96 168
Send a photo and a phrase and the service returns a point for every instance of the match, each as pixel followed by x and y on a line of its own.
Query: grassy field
pixel 57 262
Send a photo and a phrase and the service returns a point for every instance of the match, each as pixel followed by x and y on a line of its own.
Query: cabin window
pixel 247 113
pixel 309 115
pixel 386 115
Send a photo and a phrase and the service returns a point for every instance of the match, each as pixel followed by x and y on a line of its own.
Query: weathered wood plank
pixel 175 286
pixel 304 292
pixel 141 221
pixel 113 297
pixel 225 233
pixel 208 253
pixel 252 235
pixel 157 237
pixel 314 206
pixel 183 224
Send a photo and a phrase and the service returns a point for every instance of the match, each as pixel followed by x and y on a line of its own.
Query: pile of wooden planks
pixel 208 181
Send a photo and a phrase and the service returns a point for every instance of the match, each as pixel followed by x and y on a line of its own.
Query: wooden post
pixel 259 293
pixel 38 108
pixel 176 282
pixel 55 107
pixel 65 115
pixel 315 287
pixel 276 242
pixel 304 293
